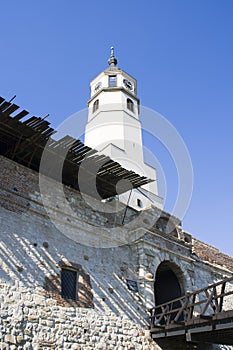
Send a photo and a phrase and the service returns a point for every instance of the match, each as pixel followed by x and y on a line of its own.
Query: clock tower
pixel 114 129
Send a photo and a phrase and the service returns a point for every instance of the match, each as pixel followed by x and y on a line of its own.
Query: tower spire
pixel 112 60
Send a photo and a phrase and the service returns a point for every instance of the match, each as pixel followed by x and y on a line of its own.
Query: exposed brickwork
pixel 52 287
pixel 85 294
pixel 211 254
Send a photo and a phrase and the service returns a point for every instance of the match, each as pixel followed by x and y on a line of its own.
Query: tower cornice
pixel 111 89
pixel 108 71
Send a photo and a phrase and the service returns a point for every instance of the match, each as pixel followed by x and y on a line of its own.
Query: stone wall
pixel 106 314
pixel 32 321
pixel 39 236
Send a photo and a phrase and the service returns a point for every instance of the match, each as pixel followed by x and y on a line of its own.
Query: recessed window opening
pixel 130 105
pixel 95 106
pixel 161 224
pixel 68 284
pixel 112 81
pixel 139 203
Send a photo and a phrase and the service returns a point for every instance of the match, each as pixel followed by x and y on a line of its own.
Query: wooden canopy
pixel 26 139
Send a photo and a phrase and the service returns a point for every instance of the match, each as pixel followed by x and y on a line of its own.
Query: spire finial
pixel 112 60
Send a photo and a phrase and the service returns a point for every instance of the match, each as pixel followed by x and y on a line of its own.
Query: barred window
pixel 68 284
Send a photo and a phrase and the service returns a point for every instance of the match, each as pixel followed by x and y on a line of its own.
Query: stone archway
pixel 168 286
pixel 168 283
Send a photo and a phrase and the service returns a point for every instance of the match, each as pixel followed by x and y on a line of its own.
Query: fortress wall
pixel 37 243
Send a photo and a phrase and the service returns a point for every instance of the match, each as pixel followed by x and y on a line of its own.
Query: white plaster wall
pixel 103 78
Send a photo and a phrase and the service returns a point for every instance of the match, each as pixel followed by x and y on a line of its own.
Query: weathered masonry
pixel 75 273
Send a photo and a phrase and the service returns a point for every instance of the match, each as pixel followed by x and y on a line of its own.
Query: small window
pixel 112 80
pixel 139 203
pixel 130 105
pixel 161 224
pixel 68 284
pixel 95 106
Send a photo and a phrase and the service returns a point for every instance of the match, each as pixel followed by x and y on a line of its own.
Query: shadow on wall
pixel 38 266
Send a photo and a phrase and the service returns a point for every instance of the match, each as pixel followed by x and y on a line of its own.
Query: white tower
pixel 114 129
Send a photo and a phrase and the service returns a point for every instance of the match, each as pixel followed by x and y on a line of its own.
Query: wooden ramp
pixel 205 316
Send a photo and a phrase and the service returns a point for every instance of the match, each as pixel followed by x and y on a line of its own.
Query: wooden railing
pixel 203 303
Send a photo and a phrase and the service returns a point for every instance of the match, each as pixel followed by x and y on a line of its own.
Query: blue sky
pixel 180 52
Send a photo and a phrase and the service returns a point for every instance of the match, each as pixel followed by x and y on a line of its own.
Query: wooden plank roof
pixel 25 141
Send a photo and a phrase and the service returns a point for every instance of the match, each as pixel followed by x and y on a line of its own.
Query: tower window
pixel 95 106
pixel 68 284
pixel 112 81
pixel 130 105
pixel 161 224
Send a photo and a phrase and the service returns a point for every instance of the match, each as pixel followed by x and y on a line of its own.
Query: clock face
pixel 97 86
pixel 128 84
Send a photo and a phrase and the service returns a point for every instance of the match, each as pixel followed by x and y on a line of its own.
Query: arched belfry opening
pixel 168 283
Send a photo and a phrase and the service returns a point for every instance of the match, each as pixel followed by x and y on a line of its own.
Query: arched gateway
pixel 168 282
